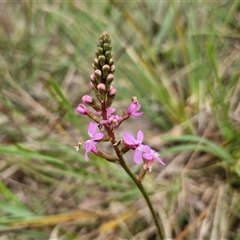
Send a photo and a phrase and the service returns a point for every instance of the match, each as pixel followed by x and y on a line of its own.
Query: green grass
pixel 181 59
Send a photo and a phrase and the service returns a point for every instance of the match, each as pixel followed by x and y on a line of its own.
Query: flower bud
pixel 109 79
pixel 87 99
pixel 112 91
pixel 112 69
pixel 106 39
pixel 111 61
pixel 105 70
pixel 106 46
pixel 92 78
pixel 91 85
pixel 111 95
pixel 98 75
pixel 108 55
pixel 101 87
pixel 101 60
pixel 81 109
pixel 95 63
pixel 100 42
pixel 100 51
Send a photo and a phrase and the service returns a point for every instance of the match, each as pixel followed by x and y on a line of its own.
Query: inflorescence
pixel 102 114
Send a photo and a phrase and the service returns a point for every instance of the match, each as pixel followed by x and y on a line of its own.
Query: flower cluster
pixel 99 110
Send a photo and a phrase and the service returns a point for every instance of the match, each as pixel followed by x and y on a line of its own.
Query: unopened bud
pixel 100 51
pixel 91 85
pixel 98 75
pixel 95 63
pixel 108 54
pixel 111 95
pixel 112 69
pixel 101 60
pixel 105 70
pixel 92 78
pixel 111 61
pixel 106 46
pixel 81 109
pixel 112 91
pixel 100 42
pixel 87 99
pixel 109 78
pixel 101 87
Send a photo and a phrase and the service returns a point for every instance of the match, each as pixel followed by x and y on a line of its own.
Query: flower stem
pixel 142 190
pixel 137 183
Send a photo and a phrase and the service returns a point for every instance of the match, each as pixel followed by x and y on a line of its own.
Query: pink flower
pixel 109 114
pixel 82 110
pixel 150 154
pixel 141 151
pixel 90 144
pixel 133 108
pixel 114 121
pixel 135 144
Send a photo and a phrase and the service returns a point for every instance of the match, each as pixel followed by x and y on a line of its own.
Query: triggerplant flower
pixel 150 154
pixel 90 144
pixel 135 144
pixel 133 108
pixel 109 114
pixel 141 150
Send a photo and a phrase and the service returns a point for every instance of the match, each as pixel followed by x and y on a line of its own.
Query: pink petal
pixel 87 148
pixel 140 136
pixel 137 107
pixel 137 114
pixel 111 110
pixel 86 156
pixel 137 156
pixel 129 139
pixel 92 128
pixel 88 145
pixel 93 148
pixel 148 156
pixel 160 160
pixel 103 122
pixel 97 136
pixel 131 107
pixel 146 148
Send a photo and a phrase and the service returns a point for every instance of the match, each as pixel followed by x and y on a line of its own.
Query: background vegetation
pixel 181 59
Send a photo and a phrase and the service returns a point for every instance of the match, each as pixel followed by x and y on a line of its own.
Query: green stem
pixel 142 190
pixel 128 171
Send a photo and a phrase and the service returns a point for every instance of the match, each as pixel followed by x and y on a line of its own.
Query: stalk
pixel 145 195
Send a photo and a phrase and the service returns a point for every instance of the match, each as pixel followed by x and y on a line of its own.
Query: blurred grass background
pixel 181 59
